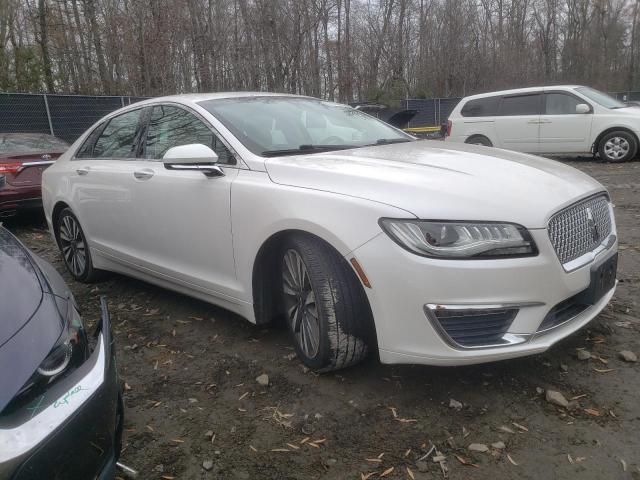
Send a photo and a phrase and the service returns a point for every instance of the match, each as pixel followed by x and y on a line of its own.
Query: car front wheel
pixel 326 309
pixel 617 147
pixel 74 247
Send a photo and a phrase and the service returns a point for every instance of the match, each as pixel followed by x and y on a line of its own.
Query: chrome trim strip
pixel 510 339
pixel 589 257
pixel 36 164
pixel 18 441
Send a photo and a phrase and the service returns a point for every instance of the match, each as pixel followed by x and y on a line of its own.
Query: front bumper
pixel 73 430
pixel 404 285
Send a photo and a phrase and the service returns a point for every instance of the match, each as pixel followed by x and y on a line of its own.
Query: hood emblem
pixel 593 227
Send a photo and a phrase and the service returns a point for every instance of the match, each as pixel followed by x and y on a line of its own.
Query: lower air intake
pixel 564 311
pixel 475 327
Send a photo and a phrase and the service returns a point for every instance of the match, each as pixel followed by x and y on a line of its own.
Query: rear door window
pixel 480 107
pixel 560 104
pixel 520 105
pixel 119 139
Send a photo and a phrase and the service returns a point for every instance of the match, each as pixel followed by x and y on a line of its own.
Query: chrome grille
pixel 580 228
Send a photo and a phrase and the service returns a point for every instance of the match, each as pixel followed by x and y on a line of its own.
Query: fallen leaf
pixel 366 476
pixel 253 448
pixel 295 447
pixel 126 386
pixel 410 474
pixel 387 472
pixel 406 420
pixel 304 440
pixel 521 427
pixel 592 411
pixel 373 460
pixel 177 440
pixel 406 454
pixel 465 462
pixel 604 370
pixel 511 460
pixel 381 455
pixel 577 397
pixel 570 458
pixel 243 395
pixel 393 411
pixel 279 450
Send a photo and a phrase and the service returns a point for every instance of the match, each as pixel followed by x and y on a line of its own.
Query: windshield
pixel 290 125
pixel 601 98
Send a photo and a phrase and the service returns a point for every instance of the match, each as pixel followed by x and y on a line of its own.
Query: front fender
pixel 261 209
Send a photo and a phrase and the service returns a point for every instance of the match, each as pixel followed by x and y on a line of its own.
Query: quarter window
pixel 119 138
pixel 520 105
pixel 171 126
pixel 560 104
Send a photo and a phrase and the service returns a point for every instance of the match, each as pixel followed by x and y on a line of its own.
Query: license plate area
pixel 603 279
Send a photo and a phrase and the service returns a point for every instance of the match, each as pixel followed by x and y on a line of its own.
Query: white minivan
pixel 547 120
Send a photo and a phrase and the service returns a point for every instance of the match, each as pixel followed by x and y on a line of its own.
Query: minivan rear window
pixel 480 107
pixel 520 105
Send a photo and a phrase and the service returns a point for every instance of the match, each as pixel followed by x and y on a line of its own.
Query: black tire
pixel 72 243
pixel 617 146
pixel 344 320
pixel 479 140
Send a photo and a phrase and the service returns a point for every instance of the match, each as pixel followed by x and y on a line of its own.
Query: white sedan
pixel 361 237
pixel 563 119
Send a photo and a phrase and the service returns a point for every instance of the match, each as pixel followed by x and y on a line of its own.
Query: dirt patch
pixel 192 396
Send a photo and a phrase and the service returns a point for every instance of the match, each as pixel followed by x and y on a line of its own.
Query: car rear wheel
pixel 618 146
pixel 479 140
pixel 74 248
pixel 326 309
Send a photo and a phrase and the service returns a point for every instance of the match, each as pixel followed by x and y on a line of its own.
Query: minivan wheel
pixel 618 146
pixel 74 248
pixel 479 140
pixel 326 310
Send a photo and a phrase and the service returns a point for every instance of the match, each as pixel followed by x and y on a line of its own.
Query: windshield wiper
pixel 387 141
pixel 306 148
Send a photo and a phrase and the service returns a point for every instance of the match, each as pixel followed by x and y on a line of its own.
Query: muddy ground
pixel 190 369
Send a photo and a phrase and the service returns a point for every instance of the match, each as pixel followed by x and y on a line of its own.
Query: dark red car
pixel 23 157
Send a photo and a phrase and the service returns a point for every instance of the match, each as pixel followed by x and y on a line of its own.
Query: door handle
pixel 545 121
pixel 82 171
pixel 533 122
pixel 144 174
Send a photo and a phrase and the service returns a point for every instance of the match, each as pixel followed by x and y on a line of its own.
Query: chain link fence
pixel 64 116
pixel 68 116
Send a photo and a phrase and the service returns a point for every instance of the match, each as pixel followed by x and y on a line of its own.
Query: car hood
pixel 433 180
pixel 21 292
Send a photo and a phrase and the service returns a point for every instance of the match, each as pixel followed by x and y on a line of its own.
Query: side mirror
pixel 583 108
pixel 194 157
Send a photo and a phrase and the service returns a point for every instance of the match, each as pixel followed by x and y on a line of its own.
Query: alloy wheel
pixel 73 245
pixel 300 303
pixel 616 148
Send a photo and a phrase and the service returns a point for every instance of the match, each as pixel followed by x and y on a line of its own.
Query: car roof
pixel 521 90
pixel 200 97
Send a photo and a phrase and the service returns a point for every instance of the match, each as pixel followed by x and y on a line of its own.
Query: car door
pixel 518 121
pixel 562 130
pixel 100 197
pixel 179 223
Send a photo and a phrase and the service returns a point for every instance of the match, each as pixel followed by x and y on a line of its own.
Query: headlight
pixel 455 240
pixel 69 352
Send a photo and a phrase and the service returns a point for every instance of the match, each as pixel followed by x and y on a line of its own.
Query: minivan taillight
pixel 13 167
pixel 449 127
